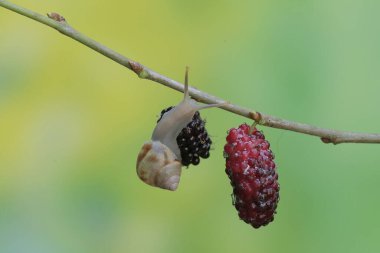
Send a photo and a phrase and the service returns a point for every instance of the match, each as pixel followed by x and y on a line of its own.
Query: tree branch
pixel 59 23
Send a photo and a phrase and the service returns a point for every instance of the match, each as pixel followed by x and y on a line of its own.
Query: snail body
pixel 159 161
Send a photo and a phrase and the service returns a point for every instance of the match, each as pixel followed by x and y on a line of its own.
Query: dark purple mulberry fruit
pixel 193 141
pixel 252 171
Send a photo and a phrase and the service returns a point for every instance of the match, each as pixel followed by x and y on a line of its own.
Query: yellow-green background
pixel 72 123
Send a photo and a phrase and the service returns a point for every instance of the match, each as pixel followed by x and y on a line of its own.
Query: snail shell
pixel 157 166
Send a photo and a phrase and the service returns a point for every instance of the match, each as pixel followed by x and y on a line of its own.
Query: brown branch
pixel 59 23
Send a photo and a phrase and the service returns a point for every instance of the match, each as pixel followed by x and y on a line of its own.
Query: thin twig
pixel 59 23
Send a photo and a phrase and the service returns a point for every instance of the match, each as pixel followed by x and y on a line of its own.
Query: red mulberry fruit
pixel 252 171
pixel 193 141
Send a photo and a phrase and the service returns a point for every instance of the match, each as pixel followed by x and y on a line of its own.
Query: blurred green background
pixel 72 123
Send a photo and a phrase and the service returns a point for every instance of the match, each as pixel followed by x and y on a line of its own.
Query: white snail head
pixel 159 161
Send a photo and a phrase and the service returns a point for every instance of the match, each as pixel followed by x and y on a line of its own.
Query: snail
pixel 159 161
